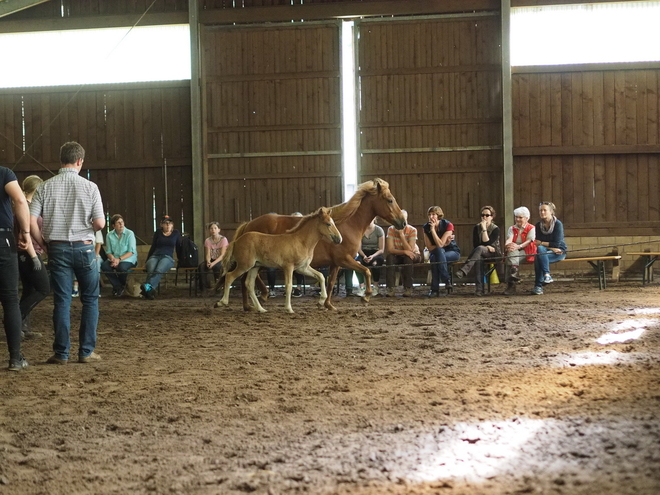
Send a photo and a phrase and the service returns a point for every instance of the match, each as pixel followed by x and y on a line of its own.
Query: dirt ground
pixel 557 394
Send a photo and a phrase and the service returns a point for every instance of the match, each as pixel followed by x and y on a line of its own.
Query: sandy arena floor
pixel 558 394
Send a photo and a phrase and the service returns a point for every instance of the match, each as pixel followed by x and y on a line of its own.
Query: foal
pixel 290 251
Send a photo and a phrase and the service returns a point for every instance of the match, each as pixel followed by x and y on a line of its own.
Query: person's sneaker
pixel 17 364
pixel 296 292
pixel 55 360
pixel 151 294
pixel 92 358
pixel 537 291
pixel 75 293
pixel 118 292
pixel 433 293
pixel 143 290
pixel 360 292
pixel 460 274
pixel 407 292
pixel 547 279
pixel 390 292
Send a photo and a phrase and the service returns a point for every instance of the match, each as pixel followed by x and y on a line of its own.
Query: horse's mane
pixel 305 220
pixel 344 211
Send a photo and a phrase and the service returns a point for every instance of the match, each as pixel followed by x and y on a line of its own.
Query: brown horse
pixel 373 198
pixel 290 251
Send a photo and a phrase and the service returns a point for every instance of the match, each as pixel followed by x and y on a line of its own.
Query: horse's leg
pixel 355 265
pixel 321 279
pixel 249 282
pixel 288 284
pixel 332 279
pixel 229 278
pixel 263 289
pixel 244 292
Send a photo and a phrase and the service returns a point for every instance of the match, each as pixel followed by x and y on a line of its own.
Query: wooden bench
pixel 598 262
pixel 649 258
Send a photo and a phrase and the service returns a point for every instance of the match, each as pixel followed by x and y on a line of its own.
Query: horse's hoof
pixel 328 305
pixel 262 310
pixel 218 304
pixel 366 298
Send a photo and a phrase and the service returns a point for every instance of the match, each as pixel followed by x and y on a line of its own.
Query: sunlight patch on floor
pixel 626 330
pixel 479 451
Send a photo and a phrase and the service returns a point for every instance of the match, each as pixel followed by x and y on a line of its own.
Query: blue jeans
pixel 69 261
pixel 157 266
pixel 440 270
pixel 117 275
pixel 9 293
pixel 542 263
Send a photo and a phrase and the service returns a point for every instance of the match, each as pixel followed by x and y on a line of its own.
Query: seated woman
pixel 370 254
pixel 550 245
pixel 402 249
pixel 121 250
pixel 215 247
pixel 486 241
pixel 440 241
pixel 160 259
pixel 519 245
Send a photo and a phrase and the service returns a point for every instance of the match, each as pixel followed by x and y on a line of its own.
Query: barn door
pixel 271 97
pixel 430 118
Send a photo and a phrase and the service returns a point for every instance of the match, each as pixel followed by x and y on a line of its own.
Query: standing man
pixel 9 192
pixel 72 211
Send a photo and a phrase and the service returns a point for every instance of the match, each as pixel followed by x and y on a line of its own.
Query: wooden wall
pixel 272 120
pixel 136 139
pixel 431 117
pixel 587 138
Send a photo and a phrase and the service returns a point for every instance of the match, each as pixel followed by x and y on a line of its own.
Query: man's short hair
pixel 71 152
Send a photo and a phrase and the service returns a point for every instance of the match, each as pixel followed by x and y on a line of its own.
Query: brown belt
pixel 70 242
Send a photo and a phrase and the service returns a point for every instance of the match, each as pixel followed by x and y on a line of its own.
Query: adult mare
pixel 372 198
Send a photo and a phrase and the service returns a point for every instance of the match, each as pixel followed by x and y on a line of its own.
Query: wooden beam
pixel 619 149
pixel 10 6
pixel 338 10
pixel 541 3
pixel 91 22
pixel 558 69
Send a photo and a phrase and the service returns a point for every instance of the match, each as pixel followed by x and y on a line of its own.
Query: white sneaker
pixel 360 292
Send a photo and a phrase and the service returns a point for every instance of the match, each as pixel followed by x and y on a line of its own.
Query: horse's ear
pixel 378 181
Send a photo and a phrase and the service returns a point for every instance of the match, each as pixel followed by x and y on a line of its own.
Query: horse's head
pixel 327 226
pixel 386 206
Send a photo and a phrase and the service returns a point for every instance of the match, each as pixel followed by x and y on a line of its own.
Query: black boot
pixel 26 329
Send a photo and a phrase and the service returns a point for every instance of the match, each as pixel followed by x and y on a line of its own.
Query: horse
pixel 372 199
pixel 290 251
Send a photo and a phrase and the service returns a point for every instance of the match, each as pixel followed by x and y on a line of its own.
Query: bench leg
pixel 600 269
pixel 648 264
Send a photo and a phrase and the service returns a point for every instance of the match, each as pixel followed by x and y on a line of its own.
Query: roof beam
pixel 10 6
pixel 345 9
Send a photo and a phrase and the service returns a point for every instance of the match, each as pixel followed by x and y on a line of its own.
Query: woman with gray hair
pixel 519 246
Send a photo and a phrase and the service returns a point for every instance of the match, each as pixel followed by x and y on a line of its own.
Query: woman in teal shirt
pixel 121 249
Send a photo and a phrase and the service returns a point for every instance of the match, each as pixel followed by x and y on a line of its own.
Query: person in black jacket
pixel 486 241
pixel 160 259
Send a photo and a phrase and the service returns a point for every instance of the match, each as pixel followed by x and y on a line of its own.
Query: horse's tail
pixel 228 259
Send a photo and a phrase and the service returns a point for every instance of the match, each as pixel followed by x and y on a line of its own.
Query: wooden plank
pixel 577 120
pixel 620 108
pixel 586 150
pixel 566 110
pixel 643 184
